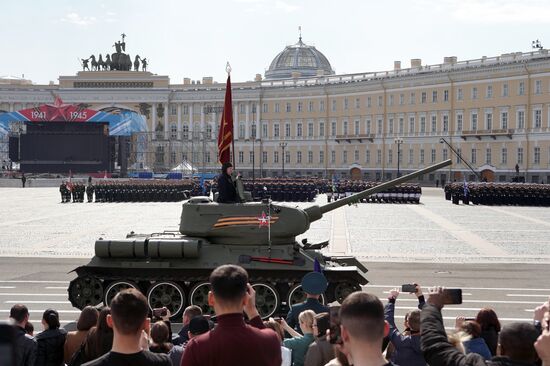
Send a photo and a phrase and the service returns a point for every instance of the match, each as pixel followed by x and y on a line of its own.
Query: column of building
pixel 179 122
pixel 154 121
pixel 166 127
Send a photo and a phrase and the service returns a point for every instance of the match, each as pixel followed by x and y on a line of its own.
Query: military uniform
pixel 313 283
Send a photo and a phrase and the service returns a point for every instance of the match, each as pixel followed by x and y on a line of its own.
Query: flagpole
pixel 228 70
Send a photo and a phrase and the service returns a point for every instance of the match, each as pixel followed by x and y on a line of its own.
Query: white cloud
pixel 75 18
pixel 282 5
pixel 500 11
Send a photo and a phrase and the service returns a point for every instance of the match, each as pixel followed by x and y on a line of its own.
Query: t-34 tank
pixel 172 268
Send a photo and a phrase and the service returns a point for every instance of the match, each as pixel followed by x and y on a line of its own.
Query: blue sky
pixel 43 39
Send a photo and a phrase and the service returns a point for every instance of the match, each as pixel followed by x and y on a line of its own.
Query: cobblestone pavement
pixel 34 223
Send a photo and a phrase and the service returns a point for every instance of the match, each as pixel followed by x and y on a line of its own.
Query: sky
pixel 44 39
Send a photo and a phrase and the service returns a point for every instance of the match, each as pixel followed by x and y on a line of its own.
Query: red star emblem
pixel 264 219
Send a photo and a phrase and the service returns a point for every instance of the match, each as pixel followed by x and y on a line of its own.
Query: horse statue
pixel 94 63
pixel 100 63
pixel 108 64
pixel 144 64
pixel 136 63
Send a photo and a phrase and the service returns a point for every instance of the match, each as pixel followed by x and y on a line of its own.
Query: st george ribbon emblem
pixel 264 220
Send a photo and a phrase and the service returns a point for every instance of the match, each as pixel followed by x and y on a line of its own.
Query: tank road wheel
pixel 199 296
pixel 343 289
pixel 166 294
pixel 84 291
pixel 267 299
pixel 296 295
pixel 115 287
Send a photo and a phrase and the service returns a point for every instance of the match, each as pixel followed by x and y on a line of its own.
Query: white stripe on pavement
pixel 468 288
pixel 53 288
pixel 7 287
pixel 28 294
pixel 36 302
pixel 483 301
pixel 34 281
pixel 41 311
pixel 528 295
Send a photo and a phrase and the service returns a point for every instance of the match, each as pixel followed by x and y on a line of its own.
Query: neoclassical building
pixel 304 119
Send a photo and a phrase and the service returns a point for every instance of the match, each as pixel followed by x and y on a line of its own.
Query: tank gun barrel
pixel 316 212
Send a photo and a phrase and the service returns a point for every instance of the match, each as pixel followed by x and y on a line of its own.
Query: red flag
pixel 225 135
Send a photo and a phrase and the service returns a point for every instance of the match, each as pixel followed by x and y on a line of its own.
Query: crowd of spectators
pixel 362 331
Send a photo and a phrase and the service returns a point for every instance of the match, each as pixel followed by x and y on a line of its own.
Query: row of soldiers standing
pixel 283 189
pixel 74 191
pixel 484 193
pixel 403 193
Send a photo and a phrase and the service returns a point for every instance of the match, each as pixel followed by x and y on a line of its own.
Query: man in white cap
pixel 313 284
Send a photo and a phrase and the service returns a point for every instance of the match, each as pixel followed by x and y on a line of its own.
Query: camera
pixel 159 312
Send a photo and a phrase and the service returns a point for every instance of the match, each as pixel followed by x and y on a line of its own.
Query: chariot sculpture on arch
pixel 119 60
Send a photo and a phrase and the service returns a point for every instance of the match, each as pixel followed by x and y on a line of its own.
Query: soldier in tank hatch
pixel 227 193
pixel 314 284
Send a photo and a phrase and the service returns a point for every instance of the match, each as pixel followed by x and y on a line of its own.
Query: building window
pixel 401 126
pixel 401 99
pixel 459 94
pixel 445 123
pixel 489 121
pixel 173 110
pixel 505 90
pixel 277 107
pixel 288 107
pixel 185 131
pixel 538 86
pixel 287 157
pixel 367 156
pixel 276 132
pixel 333 129
pixel 321 157
pixel 241 107
pixel 458 155
pixel 344 157
pixel 520 155
pixel 521 119
pixel 275 156
pixel 474 93
pixel 173 157
pixel 489 93
pixel 538 118
pixel 521 89
pixel 445 95
pixel 264 108
pixel 185 110
pixel 474 121
pixel 310 129
pixel 264 130
pixel 356 156
pixel 536 155
pixel 241 157
pixel 252 130
pixel 310 106
pixel 411 156
pixel 264 156
pixel 346 103
pixel 357 103
pixel 474 156
pixel 433 155
pixel 333 157
pixel 434 123
pixel 251 156
pixel 380 101
pixel 253 107
pixel 345 128
pixel 378 156
pixel 390 102
pixel 287 130
pixel 369 102
pixel 504 120
pixel 310 157
pixel 390 126
pixel 334 105
pixel 412 98
pixel 434 96
pixel 390 156
pixel 299 130
pixel 300 106
pixel 504 156
pixel 322 106
pixel 421 156
pixel 445 154
pixel 411 125
pixel 298 157
pixel 459 122
pixel 241 131
pixel 173 131
pixel 356 127
pixel 488 156
pixel 321 129
pixel 422 124
pixel 379 130
pixel 368 126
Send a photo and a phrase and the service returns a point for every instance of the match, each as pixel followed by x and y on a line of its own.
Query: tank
pixel 172 267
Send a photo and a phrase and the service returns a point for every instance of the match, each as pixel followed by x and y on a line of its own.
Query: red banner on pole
pixel 225 135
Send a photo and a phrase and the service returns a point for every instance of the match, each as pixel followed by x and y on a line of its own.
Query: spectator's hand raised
pixel 541 310
pixel 167 316
pixel 394 293
pixel 435 296
pixel 459 321
pixel 542 345
pixel 418 291
pixel 250 307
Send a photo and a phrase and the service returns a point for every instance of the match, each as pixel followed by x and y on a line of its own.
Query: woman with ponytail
pixel 50 341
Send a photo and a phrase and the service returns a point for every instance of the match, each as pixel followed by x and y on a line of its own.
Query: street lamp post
pixel 443 141
pixel 253 157
pixel 398 141
pixel 283 146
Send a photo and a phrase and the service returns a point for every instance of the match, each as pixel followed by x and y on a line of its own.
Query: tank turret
pixel 172 267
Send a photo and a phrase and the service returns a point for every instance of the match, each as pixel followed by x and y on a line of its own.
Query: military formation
pixel 283 189
pixel 488 193
pixel 72 192
pixel 403 193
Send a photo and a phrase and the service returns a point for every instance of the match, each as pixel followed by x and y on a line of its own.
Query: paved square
pixel 34 223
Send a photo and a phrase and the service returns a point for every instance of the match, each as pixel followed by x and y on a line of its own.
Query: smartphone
pixel 277 319
pixel 410 288
pixel 335 337
pixel 470 319
pixel 452 296
pixel 159 312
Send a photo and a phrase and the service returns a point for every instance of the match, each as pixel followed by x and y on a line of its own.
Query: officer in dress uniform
pixel 313 284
